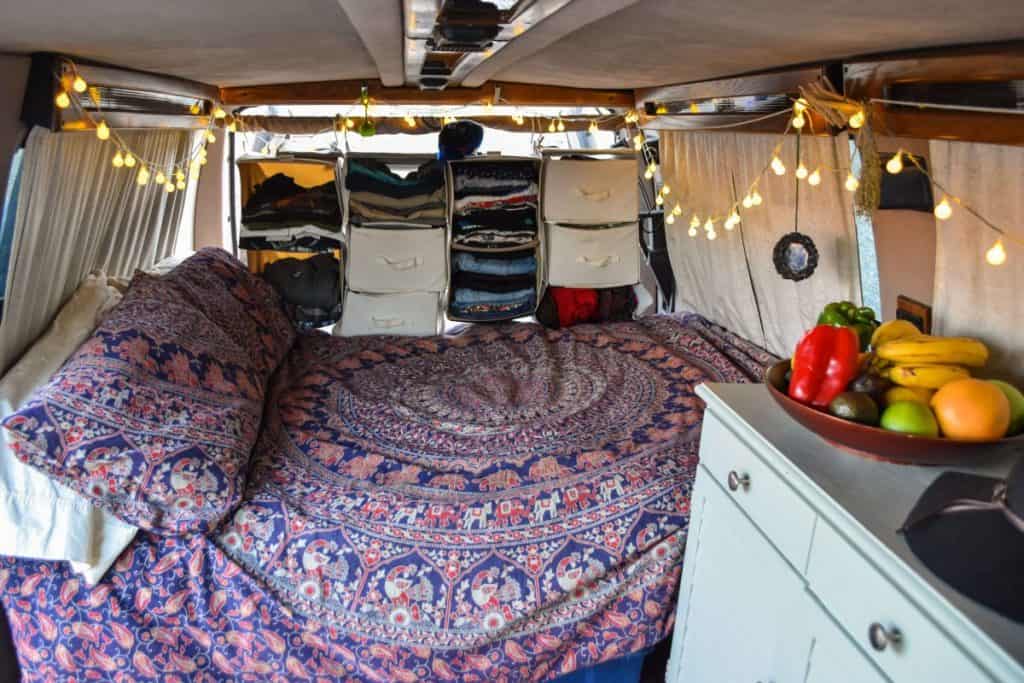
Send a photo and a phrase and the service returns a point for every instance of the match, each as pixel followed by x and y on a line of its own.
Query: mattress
pixel 508 503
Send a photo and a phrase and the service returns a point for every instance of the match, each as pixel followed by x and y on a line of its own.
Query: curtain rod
pixel 957 107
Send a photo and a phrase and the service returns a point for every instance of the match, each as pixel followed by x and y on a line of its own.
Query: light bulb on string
pixel 851 183
pixel 943 210
pixel 409 121
pixel 733 220
pixel 798 121
pixel 756 198
pixel 210 137
pixel 665 189
pixel 592 128
pixel 219 113
pixel 709 226
pixel 195 109
pixel 996 256
pixel 518 118
pixel 669 218
pixel 659 200
pixel 233 126
pixel 179 175
pixel 62 100
pixel 815 178
pixel 778 168
pixel 118 160
pixel 169 187
pixel 129 160
pixel 552 127
pixel 180 185
pixel 692 232
pixel 561 126
pixel 800 105
pixel 103 130
pixel 748 202
pixel 895 164
pixel 677 210
pixel 712 235
pixel 649 172
pixel 695 222
pixel 350 124
pixel 801 171
pixel 160 178
pixel 638 141
pixel 858 119
pixel 79 85
pixel 143 176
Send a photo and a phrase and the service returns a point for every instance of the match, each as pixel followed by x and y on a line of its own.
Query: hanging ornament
pixel 367 128
pixel 795 256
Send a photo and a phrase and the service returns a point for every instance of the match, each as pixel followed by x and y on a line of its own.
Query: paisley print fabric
pixel 155 416
pixel 507 504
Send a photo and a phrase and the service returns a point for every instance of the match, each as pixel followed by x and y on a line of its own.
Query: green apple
pixel 910 417
pixel 1016 399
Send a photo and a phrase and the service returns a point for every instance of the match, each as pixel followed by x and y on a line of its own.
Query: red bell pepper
pixel 824 363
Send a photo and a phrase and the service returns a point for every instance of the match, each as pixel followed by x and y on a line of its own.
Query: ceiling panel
pixel 221 42
pixel 657 42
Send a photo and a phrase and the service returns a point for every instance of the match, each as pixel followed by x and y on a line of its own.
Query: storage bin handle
pixel 598 262
pixel 593 195
pixel 401 264
pixel 387 323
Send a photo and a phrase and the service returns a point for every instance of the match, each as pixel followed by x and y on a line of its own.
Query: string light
pixel 129 160
pixel 410 121
pixel 695 222
pixel 180 184
pixel 800 105
pixel 692 232
pixel 638 141
pixel 143 177
pixel 665 189
pixel 798 121
pixel 756 198
pixel 265 150
pixel 561 126
pixel 233 126
pixel 748 202
pixel 712 235
pixel 895 164
pixel 801 171
pixel 118 160
pixel 552 127
pixel 659 200
pixel 677 210
pixel 943 210
pixel 195 109
pixel 652 168
pixel 169 187
pixel 103 130
pixel 219 113
pixel 851 183
pixel 669 218
pixel 815 178
pixel 79 85
pixel 709 226
pixel 62 100
pixel 518 118
pixel 350 124
pixel 733 220
pixel 160 178
pixel 778 168
pixel 858 119
pixel 210 137
pixel 592 128
pixel 996 256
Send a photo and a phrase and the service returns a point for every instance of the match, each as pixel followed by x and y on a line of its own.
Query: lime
pixel 910 417
pixel 1016 405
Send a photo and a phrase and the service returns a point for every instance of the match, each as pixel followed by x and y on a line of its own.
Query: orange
pixel 971 410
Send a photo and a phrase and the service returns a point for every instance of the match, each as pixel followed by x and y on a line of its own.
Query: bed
pixel 505 503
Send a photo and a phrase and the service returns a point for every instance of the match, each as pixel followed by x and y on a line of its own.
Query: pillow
pixel 155 416
pixel 45 520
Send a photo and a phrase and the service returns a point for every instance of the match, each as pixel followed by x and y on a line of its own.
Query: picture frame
pixel 915 312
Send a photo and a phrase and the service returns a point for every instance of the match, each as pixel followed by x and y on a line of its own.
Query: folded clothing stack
pixel 310 288
pixel 280 202
pixel 379 195
pixel 494 286
pixel 495 204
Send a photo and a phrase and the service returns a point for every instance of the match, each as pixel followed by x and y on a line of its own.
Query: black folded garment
pixel 512 219
pixel 313 283
pixel 303 244
pixel 493 283
pixel 281 199
pixel 370 175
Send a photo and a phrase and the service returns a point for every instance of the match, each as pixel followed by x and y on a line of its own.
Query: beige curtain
pixel 972 297
pixel 712 277
pixel 77 213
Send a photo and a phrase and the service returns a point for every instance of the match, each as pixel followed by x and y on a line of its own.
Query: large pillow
pixel 155 416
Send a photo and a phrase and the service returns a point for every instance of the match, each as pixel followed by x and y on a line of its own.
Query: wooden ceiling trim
pixel 767 83
pixel 347 92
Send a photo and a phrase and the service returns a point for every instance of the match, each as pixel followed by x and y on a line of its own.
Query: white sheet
pixel 40 518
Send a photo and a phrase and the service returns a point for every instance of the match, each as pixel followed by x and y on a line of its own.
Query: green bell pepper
pixel 847 314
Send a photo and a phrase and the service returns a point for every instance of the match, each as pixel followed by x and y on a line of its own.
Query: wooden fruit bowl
pixel 880 444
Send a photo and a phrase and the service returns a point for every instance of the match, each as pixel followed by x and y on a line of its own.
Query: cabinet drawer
pixel 593 257
pixel 860 598
pixel 784 517
pixel 587 192
pixel 417 313
pixel 396 260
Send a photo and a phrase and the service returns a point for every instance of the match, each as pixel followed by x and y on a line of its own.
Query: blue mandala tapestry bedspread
pixel 506 504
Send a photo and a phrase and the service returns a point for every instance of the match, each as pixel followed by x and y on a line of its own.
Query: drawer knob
pixel 880 636
pixel 736 480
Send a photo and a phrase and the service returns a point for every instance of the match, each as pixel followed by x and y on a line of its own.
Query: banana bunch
pixel 924 361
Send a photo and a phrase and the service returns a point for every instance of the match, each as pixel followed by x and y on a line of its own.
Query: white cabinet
pixel 794 571
pixel 734 629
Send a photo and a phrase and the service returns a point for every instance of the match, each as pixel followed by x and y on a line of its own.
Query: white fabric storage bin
pixel 396 260
pixel 593 257
pixel 412 314
pixel 588 192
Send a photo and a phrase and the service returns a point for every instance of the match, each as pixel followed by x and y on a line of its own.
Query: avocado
pixel 855 406
pixel 871 384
